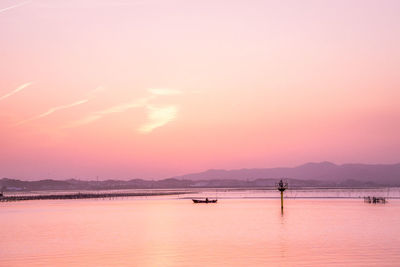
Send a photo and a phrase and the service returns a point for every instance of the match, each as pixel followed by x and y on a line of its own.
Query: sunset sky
pixel 156 88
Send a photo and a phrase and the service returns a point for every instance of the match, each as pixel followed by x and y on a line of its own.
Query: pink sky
pixel 156 88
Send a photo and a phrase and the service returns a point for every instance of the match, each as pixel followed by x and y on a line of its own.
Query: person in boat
pixel 207 200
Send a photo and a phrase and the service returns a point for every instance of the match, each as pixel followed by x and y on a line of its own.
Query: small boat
pixel 205 201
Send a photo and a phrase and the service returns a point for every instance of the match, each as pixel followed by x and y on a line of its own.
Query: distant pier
pixel 84 196
pixel 375 200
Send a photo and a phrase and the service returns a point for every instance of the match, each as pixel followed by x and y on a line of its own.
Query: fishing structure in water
pixel 282 186
pixel 87 195
pixel 375 200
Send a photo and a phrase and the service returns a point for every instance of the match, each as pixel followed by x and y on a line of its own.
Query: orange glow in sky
pixel 156 88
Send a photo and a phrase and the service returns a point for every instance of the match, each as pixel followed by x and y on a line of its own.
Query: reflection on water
pixel 176 232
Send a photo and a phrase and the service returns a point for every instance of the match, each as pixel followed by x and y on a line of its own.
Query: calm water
pixel 175 232
pixel 393 192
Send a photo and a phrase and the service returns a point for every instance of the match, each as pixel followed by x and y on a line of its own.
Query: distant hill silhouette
pixel 323 174
pixel 388 174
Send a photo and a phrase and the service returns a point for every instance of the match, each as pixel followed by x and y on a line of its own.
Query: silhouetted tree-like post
pixel 282 186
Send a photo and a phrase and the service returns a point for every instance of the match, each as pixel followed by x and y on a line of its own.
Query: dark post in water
pixel 282 186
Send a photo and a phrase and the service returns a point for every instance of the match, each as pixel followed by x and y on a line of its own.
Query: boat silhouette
pixel 205 200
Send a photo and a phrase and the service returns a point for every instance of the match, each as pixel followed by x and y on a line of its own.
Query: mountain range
pixel 322 174
pixel 388 174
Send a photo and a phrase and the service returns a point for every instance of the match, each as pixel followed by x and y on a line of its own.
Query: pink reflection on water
pixel 173 232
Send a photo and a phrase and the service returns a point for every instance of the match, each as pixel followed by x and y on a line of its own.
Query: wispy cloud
pixel 94 116
pixel 19 88
pixel 158 116
pixel 57 108
pixel 96 90
pixel 90 4
pixel 52 110
pixel 14 6
pixel 164 91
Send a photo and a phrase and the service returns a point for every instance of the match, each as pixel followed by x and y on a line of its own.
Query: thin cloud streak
pixel 98 4
pixel 94 116
pixel 164 91
pixel 20 88
pixel 52 110
pixel 158 116
pixel 14 6
pixel 96 90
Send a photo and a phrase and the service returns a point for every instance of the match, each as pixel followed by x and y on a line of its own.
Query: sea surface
pixel 245 228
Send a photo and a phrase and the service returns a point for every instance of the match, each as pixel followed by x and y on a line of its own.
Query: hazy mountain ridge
pixel 388 174
pixel 324 174
pixel 42 185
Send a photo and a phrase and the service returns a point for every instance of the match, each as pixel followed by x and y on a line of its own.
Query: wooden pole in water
pixel 282 186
